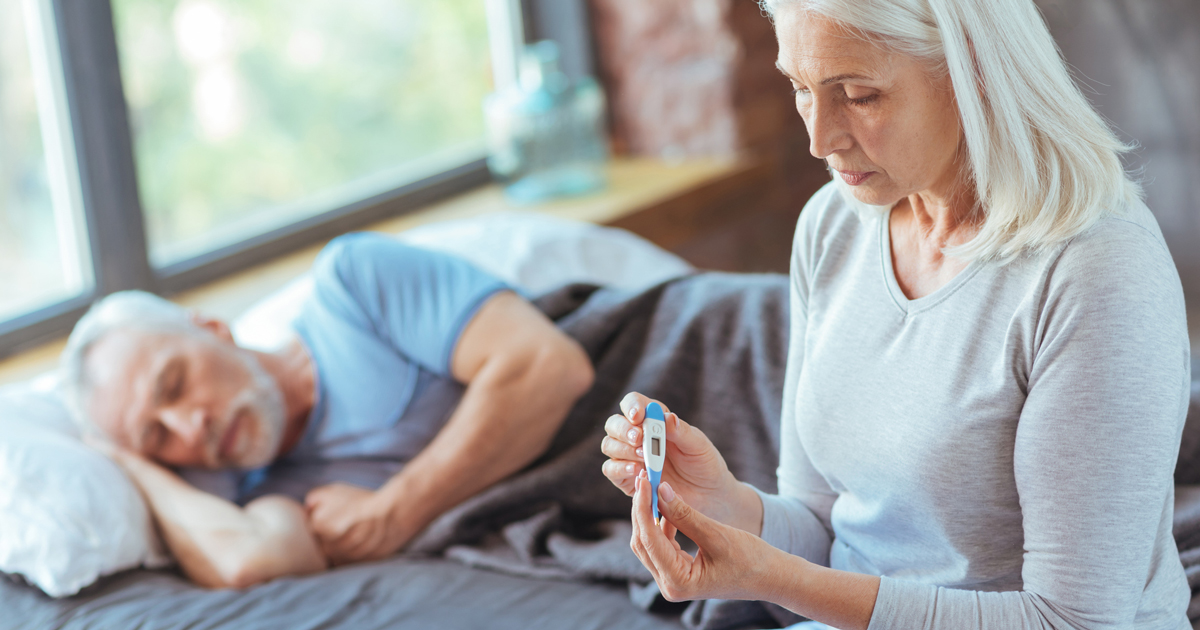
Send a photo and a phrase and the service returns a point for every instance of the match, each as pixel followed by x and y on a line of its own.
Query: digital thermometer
pixel 654 449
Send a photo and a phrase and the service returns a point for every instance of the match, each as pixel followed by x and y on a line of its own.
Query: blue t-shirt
pixel 381 327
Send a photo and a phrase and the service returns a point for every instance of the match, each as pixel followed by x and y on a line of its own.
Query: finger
pixel 622 474
pixel 685 518
pixel 633 405
pixel 667 562
pixel 616 449
pixel 619 428
pixel 668 530
pixel 643 519
pixel 636 542
pixel 686 437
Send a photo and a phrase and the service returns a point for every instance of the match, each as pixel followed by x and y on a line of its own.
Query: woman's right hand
pixel 694 467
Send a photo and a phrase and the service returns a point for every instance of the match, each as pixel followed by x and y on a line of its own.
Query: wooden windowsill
pixel 666 203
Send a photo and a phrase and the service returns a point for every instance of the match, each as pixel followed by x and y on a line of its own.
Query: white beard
pixel 263 400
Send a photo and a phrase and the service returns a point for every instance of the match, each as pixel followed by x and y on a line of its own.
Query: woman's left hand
pixel 730 563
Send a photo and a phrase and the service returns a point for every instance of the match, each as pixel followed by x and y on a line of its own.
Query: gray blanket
pixel 712 346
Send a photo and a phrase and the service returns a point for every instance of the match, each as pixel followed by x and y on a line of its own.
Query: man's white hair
pixel 1044 164
pixel 131 310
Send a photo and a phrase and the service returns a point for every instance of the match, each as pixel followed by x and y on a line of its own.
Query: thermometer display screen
pixel 654 448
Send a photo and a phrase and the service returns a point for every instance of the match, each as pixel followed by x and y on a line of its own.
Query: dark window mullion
pixel 103 149
pixel 103 144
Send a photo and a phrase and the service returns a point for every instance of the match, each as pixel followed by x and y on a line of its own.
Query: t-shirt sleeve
pixel 797 519
pixel 1094 453
pixel 417 300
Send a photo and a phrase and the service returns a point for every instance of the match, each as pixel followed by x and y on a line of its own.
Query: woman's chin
pixel 870 195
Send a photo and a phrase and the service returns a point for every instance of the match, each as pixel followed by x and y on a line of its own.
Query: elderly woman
pixel 988 362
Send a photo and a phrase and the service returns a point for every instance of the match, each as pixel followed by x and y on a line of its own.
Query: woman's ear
pixel 212 325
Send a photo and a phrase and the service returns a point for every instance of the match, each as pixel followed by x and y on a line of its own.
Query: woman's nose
pixel 826 134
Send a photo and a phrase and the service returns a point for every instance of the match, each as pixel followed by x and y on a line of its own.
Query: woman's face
pixel 876 117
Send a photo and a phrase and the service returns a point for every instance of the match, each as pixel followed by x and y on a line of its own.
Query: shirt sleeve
pixel 417 300
pixel 1093 458
pixel 797 519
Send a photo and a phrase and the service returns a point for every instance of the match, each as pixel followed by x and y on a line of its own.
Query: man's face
pixel 185 399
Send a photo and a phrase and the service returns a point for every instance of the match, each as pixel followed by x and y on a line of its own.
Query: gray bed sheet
pixel 397 593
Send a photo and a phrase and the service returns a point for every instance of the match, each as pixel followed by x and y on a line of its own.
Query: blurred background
pixel 162 144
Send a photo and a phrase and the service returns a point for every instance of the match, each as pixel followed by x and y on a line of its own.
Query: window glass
pixel 43 253
pixel 250 114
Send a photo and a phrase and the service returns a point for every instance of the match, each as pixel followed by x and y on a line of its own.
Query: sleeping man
pixel 413 381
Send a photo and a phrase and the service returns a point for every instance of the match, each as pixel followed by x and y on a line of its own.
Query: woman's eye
pixel 861 99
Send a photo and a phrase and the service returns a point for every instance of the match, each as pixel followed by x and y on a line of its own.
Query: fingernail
pixel 633 434
pixel 629 468
pixel 640 453
pixel 633 412
pixel 665 492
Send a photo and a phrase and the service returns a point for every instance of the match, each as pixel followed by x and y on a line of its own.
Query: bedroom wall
pixel 689 78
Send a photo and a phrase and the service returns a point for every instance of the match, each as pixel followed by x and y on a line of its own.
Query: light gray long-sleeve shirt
pixel 1001 450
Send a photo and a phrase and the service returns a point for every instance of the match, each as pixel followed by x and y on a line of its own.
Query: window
pixel 159 144
pixel 250 114
pixel 43 254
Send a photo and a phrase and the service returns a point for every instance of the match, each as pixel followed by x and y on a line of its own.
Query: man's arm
pixel 523 375
pixel 217 543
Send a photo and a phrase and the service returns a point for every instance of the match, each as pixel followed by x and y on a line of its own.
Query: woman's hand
pixel 693 467
pixel 730 563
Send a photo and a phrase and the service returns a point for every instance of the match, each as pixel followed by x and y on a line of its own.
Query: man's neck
pixel 294 372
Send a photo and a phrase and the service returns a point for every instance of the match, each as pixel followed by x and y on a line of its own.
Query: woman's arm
pixel 218 544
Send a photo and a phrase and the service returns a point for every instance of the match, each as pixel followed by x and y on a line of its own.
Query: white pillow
pixel 531 251
pixel 68 515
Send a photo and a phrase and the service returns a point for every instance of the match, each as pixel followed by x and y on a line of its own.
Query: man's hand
pixel 353 524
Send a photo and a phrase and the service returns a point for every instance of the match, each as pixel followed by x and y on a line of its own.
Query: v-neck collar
pixel 923 303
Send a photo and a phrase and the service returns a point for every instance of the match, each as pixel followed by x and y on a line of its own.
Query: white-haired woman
pixel 988 363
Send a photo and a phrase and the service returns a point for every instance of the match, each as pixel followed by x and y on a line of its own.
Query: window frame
pixel 112 209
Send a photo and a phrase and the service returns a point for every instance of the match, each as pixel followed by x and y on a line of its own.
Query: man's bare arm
pixel 523 375
pixel 217 543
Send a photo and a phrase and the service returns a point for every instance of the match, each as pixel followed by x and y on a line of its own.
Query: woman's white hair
pixel 1044 164
pixel 134 310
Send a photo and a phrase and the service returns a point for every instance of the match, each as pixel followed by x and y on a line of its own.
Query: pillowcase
pixel 530 251
pixel 68 514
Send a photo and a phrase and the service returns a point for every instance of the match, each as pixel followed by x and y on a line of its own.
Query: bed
pixel 549 547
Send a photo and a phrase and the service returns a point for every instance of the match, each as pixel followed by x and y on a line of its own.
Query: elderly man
pixel 405 361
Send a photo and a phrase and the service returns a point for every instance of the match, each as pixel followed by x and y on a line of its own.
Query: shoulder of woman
pixel 1129 239
pixel 1122 256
